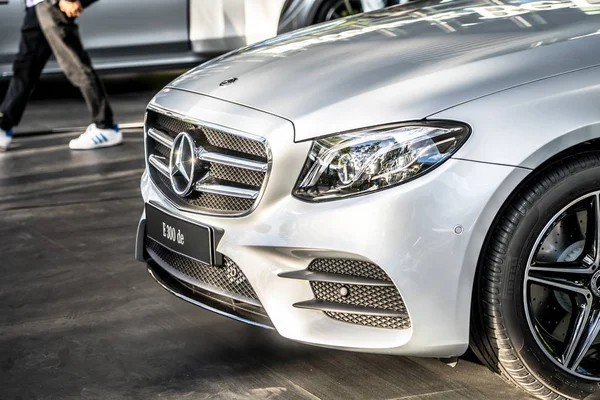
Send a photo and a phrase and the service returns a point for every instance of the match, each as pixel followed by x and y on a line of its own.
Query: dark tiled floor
pixel 79 318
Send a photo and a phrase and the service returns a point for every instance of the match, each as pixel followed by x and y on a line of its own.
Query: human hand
pixel 71 8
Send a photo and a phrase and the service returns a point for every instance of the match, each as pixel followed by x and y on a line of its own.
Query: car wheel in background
pixel 536 312
pixel 334 9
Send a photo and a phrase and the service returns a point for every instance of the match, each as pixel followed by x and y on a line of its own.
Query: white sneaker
pixel 94 138
pixel 5 139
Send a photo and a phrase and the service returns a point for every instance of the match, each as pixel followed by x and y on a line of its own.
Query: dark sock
pixel 105 126
pixel 5 124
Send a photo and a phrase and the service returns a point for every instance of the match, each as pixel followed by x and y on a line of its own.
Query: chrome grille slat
pixel 213 202
pixel 159 164
pixel 236 165
pixel 161 137
pixel 233 161
pixel 227 191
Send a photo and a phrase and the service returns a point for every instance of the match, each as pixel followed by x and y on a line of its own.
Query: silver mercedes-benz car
pixel 410 181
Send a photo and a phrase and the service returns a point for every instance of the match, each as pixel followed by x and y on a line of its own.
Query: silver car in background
pixel 409 181
pixel 136 34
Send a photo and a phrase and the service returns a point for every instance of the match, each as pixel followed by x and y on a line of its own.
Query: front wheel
pixel 334 9
pixel 536 312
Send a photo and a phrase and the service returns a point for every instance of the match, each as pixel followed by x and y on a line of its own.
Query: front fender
pixel 529 124
pixel 524 127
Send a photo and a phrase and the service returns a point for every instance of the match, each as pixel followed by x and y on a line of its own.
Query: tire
pixel 501 335
pixel 337 7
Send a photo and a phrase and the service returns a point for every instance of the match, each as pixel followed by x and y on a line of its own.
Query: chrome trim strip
pixel 230 191
pixel 220 158
pixel 321 305
pixel 161 137
pixel 306 275
pixel 160 166
pixel 202 305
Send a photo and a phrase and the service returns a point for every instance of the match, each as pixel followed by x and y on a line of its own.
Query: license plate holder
pixel 180 236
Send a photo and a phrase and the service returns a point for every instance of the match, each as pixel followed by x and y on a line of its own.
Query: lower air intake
pixel 228 280
pixel 355 292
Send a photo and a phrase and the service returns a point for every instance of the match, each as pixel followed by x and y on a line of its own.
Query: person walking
pixel 49 28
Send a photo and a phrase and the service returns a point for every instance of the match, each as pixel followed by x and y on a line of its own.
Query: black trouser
pixel 48 30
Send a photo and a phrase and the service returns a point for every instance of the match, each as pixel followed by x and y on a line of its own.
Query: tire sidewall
pixel 543 209
pixel 321 13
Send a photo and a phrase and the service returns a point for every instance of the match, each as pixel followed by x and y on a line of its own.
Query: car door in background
pixel 11 17
pixel 137 33
pixel 118 34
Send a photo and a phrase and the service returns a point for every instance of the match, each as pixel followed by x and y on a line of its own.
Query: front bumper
pixel 409 231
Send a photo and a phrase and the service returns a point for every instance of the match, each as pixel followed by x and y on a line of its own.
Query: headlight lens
pixel 365 161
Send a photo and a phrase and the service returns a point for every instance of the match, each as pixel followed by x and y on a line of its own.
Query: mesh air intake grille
pixel 367 298
pixel 349 267
pixel 228 278
pixel 372 320
pixel 380 297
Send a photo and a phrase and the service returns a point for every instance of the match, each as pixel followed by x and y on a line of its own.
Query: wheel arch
pixel 526 128
pixel 505 194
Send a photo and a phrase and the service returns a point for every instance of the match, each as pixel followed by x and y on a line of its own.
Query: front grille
pixel 228 279
pixel 238 184
pixel 370 300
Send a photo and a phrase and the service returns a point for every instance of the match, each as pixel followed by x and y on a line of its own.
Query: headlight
pixel 360 162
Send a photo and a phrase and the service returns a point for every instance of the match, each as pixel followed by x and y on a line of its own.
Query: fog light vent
pixel 355 292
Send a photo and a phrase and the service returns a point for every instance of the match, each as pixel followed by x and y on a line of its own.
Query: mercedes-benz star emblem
pixel 182 164
pixel 228 82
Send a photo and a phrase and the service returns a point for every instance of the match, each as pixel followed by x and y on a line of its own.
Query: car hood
pixel 403 63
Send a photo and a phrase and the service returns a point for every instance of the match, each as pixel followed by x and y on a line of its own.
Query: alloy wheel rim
pixel 562 288
pixel 342 9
